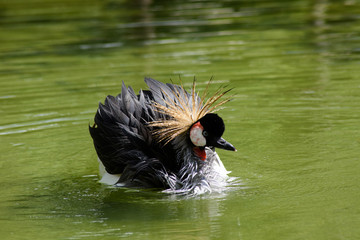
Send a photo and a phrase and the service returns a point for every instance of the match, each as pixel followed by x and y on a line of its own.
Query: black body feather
pixel 123 140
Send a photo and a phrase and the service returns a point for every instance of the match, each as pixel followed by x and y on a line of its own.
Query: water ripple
pixel 36 125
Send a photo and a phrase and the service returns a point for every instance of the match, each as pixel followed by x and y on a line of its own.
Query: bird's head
pixel 207 132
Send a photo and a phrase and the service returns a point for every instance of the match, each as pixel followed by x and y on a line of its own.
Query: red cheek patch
pixel 200 152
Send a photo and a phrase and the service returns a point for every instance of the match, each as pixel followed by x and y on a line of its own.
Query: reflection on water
pixel 294 67
pixel 84 203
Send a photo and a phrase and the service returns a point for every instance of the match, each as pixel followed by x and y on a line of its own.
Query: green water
pixel 295 70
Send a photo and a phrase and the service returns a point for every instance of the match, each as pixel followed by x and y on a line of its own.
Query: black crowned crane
pixel 164 137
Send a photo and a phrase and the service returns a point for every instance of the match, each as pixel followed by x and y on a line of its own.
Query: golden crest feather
pixel 184 110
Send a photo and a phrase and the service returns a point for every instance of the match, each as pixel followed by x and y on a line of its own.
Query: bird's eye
pixel 205 133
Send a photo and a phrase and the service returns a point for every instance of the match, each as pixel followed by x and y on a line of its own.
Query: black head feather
pixel 213 124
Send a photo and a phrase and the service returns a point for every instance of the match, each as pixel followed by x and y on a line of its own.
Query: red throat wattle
pixel 200 152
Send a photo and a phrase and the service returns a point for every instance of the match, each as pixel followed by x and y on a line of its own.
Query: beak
pixel 223 144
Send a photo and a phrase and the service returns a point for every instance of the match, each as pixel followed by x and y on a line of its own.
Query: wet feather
pixel 131 135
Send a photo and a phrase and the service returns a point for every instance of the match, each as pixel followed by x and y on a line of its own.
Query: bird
pixel 162 138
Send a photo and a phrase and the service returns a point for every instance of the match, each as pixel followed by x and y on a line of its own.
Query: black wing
pixel 123 140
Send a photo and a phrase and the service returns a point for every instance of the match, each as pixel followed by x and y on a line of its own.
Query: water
pixel 295 69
